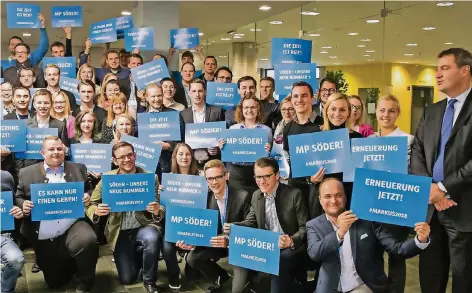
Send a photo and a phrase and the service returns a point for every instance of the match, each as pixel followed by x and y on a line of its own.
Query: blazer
pixel 457 159
pixel 369 240
pixel 291 211
pixel 212 114
pixel 179 96
pixel 236 209
pixel 74 172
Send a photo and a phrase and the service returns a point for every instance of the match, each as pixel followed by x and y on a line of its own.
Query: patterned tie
pixel 272 220
pixel 448 119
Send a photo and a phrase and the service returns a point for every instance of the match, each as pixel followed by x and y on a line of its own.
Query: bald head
pixel 332 197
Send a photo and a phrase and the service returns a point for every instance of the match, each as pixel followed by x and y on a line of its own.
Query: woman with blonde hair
pixel 125 124
pixel 60 110
pixel 118 106
pixel 357 117
pixel 108 89
pixel 87 72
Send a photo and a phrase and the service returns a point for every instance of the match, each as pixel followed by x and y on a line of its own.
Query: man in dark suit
pixel 232 206
pixel 128 86
pixel 201 112
pixel 62 247
pixel 442 150
pixel 86 90
pixel 279 208
pixel 350 251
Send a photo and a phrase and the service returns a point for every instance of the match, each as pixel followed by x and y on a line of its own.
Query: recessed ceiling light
pixel 241 35
pixel 213 41
pixel 408 54
pixel 26 35
pixel 326 47
pixel 265 7
pixel 125 12
pixel 429 28
pixel 255 29
pixel 361 46
pixel 200 34
pixel 447 43
pixel 370 51
pixel 276 22
pixel 237 37
pixel 324 52
pixel 366 55
pixel 371 60
pixel 311 13
pixel 444 4
pixel 352 34
pixel 336 63
pixel 313 35
pixel 225 39
pixel 372 21
pixel 412 45
pixel 264 59
pixel 222 56
pixel 404 62
pixel 366 40
pixel 333 57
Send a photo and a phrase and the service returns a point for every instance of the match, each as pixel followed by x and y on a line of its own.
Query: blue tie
pixel 448 119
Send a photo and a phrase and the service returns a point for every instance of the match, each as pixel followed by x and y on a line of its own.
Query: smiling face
pixel 216 178
pixel 42 104
pixel 112 88
pixel 210 65
pixel 7 92
pixel 168 89
pixel 58 51
pixel 338 112
pixel 21 54
pixel 267 89
pixel 52 75
pixel 86 73
pixel 266 179
pixel 246 88
pixel 125 159
pixel 387 113
pixel 59 103
pixel 188 72
pixel 288 111
pixel 155 97
pixel 250 109
pixel 332 198
pixel 197 94
pixel 356 110
pixel 53 152
pixel 302 99
pixel 183 157
pixel 21 98
pixel 113 60
pixel 87 123
pixel 124 125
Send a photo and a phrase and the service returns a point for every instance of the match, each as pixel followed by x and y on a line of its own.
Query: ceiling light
pixel 225 39
pixel 337 63
pixel 444 4
pixel 311 13
pixel 371 60
pixel 26 35
pixel 412 45
pixel 333 57
pixel 366 55
pixel 265 7
pixel 352 34
pixel 213 41
pixel 429 28
pixel 370 51
pixel 361 46
pixel 240 35
pixel 200 34
pixel 447 43
pixel 326 47
pixel 324 52
pixel 366 40
pixel 124 12
pixel 404 62
pixel 408 54
pixel 276 22
pixel 237 37
pixel 372 21
pixel 255 29
pixel 264 59
pixel 223 56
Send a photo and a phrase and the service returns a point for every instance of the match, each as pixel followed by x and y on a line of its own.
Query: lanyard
pixel 223 215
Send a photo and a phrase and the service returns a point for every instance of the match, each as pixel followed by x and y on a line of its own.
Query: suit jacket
pixel 12 74
pixel 457 159
pixel 369 240
pixel 180 97
pixel 100 113
pixel 236 209
pixel 291 211
pixel 35 174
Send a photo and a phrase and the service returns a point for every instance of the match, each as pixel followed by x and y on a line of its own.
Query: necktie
pixel 272 220
pixel 448 119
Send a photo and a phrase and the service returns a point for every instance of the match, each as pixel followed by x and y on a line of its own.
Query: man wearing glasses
pixel 279 208
pixel 12 74
pixel 328 86
pixel 136 238
pixel 232 206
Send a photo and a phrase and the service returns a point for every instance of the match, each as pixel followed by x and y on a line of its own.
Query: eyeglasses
pixel 223 78
pixel 249 108
pixel 127 156
pixel 287 109
pixel 265 177
pixel 329 91
pixel 21 52
pixel 216 178
pixel 354 108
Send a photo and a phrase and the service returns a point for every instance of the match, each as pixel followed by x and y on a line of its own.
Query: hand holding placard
pixel 422 231
pixel 345 221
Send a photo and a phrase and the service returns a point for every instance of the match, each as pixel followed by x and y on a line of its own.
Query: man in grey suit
pixel 350 251
pixel 62 247
pixel 201 112
pixel 442 150
pixel 280 208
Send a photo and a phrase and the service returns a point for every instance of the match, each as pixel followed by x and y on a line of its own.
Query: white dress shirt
pixel 44 123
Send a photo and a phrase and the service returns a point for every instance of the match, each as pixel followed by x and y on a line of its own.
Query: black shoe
pixel 217 286
pixel 151 289
pixel 35 268
pixel 174 282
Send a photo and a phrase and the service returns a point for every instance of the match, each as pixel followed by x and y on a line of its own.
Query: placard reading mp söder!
pixel 193 226
pixel 128 192
pixel 330 150
pixel 163 126
pixel 6 204
pixel 184 190
pixel 254 249
pixel 53 201
pixel 13 135
pixel 386 197
pixel 147 153
pixel 204 135
pixel 62 16
pixel 244 145
pixel 95 156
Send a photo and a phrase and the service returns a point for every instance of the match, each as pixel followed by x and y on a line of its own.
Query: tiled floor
pixel 107 281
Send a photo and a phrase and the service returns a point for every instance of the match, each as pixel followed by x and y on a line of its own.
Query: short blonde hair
pixel 391 98
pixel 335 97
pixel 82 68
pixel 214 164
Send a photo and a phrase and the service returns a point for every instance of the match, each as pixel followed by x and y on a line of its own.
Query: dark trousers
pixel 448 247
pixel 204 259
pixel 76 251
pixel 278 284
pixel 397 265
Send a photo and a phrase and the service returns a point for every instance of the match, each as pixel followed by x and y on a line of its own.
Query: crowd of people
pixel 317 230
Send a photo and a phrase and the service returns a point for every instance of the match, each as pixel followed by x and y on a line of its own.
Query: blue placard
pixel 184 190
pixel 128 192
pixel 7 64
pixel 254 249
pixel 62 16
pixel 151 72
pixel 392 198
pixel 103 31
pixel 204 135
pixel 66 64
pixel 147 153
pixel 163 126
pixel 244 145
pixel 184 38
pixel 123 23
pixel 23 15
pixel 277 152
pixel 223 95
pixel 326 149
pixel 139 38
pixel 288 51
pixel 6 204
pixel 193 226
pixel 286 75
pixel 71 84
pixel 13 135
pixel 54 201
pixel 95 156
pixel 389 153
pixel 34 142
